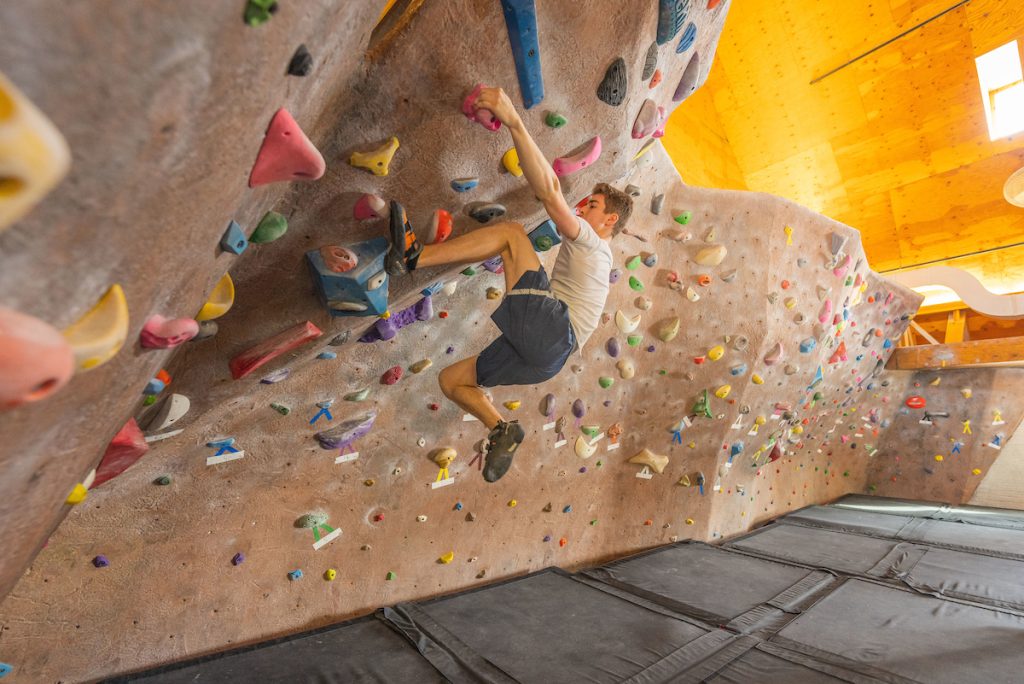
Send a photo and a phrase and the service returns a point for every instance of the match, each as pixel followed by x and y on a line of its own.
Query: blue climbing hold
pixel 234 239
pixel 735 449
pixel 458 506
pixel 238 558
pixel 5 669
pixel 521 20
pixel 689 37
pixel 807 345
pixel 544 236
pixel 887 344
pixel 221 442
pixel 671 15
pixel 154 386
pixel 294 575
pixel 567 509
pixel 327 355
pixel 738 369
pixel 432 289
pixel 465 184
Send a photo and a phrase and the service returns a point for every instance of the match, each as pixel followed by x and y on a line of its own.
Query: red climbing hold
pixel 916 402
pixel 656 78
pixel 391 375
pixel 442 314
pixel 776 453
pixel 127 447
pixel 442 228
pixel 286 154
pixel 271 348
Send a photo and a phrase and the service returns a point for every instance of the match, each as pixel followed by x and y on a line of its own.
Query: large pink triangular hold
pixel 286 154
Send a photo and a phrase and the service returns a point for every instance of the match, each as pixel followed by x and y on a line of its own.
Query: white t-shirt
pixel 580 279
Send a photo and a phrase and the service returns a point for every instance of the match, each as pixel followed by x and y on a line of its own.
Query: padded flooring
pixel 864 590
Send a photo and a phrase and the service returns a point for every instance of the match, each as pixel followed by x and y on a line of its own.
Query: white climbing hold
pixel 711 256
pixel 449 287
pixel 626 324
pixel 583 448
pixel 173 408
pixel 626 369
pixel 643 303
pixel 669 329
pixel 692 295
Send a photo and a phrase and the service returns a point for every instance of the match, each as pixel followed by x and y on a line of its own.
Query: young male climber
pixel 542 321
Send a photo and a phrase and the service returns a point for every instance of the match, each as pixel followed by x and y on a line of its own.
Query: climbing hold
pixel 286 154
pixel 421 518
pixel 579 159
pixel 650 61
pixel 484 117
pixel 370 206
pixel 345 433
pixel 583 448
pixel 635 284
pixel 301 62
pixel 692 295
pixel 729 276
pixel 493 293
pixel 173 408
pixel 512 405
pixel 669 329
pixel 258 12
pixel 555 120
pixel 390 576
pixel 77 495
pixel 605 381
pixel 612 347
pixel 689 37
pixel 100 561
pixel 387 326
pixel 97 336
pixel 650 260
pixel 648 458
pixel 808 345
pixel 791 369
pixel 626 370
pixel 716 352
pixel 163 481
pixel 238 559
pixel 440 228
pixel 916 402
pixel 484 212
pixel 671 15
pixel 624 323
pixel 723 391
pixel 421 365
pixel 447 558
pixel 704 280
pixel 614 275
pixel 510 160
pixel 757 379
pixel 976 471
pixel 633 263
pixel 358 395
pixel 470 517
pixel 657 202
pixel 684 217
pixel 643 303
pixel 271 227
pixel 563 541
pixel 647 120
pixel 311 520
pixel 330 574
pixel 281 408
pixel 938 457
pixel 711 256
pixel 688 82
pixel 655 80
pixel 789 302
pixel 245 363
pixel 839 354
pixel 775 354
pixel 377 161
pixel 633 190
pixel 464 184
pixel 634 340
pixel 234 239
pixel 295 575
pixel 612 89
pixel 826 312
pixel 220 300
pixel 327 355
pixel 35 360
pixel 512 503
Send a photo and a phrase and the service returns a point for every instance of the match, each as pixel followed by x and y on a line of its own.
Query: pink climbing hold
pixel 35 359
pixel 775 354
pixel 127 447
pixel 442 228
pixel 272 347
pixel 391 375
pixel 167 333
pixel 286 154
pixel 660 132
pixel 484 117
pixel 840 270
pixel 566 166
pixel 338 259
pixel 826 311
pixel 370 207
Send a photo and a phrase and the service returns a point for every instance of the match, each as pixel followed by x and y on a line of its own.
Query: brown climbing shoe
pixel 405 248
pixel 502 443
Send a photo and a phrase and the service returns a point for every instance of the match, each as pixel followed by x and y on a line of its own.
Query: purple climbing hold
pixel 579 409
pixel 100 561
pixel 612 347
pixel 547 537
pixel 650 347
pixel 614 275
pixel 238 558
pixel 548 405
pixel 342 435
pixel 386 328
pixel 583 469
pixel 449 350
pixel 494 265
pixel 276 376
pixel 607 403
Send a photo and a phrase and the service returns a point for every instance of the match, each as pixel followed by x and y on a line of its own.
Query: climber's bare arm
pixel 538 171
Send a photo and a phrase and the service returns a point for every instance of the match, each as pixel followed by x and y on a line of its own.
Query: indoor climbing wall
pixel 948 428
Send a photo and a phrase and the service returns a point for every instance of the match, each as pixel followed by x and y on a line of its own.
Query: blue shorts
pixel 536 336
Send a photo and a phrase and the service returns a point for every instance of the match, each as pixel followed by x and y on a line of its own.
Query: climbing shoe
pixel 405 248
pixel 502 443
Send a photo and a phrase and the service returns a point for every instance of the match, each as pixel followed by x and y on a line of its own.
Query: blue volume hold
pixel 689 36
pixel 671 15
pixel 521 20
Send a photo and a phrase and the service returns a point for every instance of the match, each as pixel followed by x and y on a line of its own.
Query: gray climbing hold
pixel 633 190
pixel 341 339
pixel 657 202
pixel 485 212
pixel 650 61
pixel 613 88
pixel 729 276
pixel 301 63
pixel 310 520
pixel 688 83
pixel 358 395
pixel 206 329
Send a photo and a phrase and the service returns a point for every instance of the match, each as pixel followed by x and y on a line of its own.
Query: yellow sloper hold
pixel 723 391
pixel 447 558
pixel 648 458
pixel 98 335
pixel 645 149
pixel 511 162
pixel 513 405
pixel 221 299
pixel 716 352
pixel 77 495
pixel 976 471
pixel 376 161
pixel 34 156
pixel 757 379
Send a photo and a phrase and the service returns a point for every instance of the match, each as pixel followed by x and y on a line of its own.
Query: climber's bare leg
pixel 458 382
pixel 507 239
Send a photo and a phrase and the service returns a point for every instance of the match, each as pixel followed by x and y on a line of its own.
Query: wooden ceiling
pixel 894 144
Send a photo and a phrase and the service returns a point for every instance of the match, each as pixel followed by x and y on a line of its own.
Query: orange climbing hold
pixel 286 154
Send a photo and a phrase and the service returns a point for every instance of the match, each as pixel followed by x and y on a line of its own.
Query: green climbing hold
pixel 258 11
pixel 469 271
pixel 663 372
pixel 599 464
pixel 390 576
pixel 555 120
pixel 846 473
pixel 163 481
pixel 281 408
pixel 634 340
pixel 594 521
pixel 684 218
pixel 358 395
pixel 633 263
pixel 605 381
pixel 543 243
pixel 311 520
pixel 872 488
pixel 149 400
pixel 271 227
pixel 636 284
pixel 849 281
pixel 590 430
pixel 701 408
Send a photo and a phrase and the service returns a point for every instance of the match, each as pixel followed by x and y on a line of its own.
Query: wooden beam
pixel 928 356
pixel 923 333
pixel 956 323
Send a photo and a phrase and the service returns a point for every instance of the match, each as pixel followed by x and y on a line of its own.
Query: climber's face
pixel 592 210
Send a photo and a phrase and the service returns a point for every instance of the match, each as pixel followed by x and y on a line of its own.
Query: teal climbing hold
pixel 295 575
pixel 271 227
pixel 234 239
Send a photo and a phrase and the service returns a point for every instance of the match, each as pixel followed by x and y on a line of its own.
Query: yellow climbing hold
pixel 511 162
pixel 757 379
pixel 513 405
pixel 330 574
pixel 98 335
pixel 493 293
pixel 221 299
pixel 77 495
pixel 760 420
pixel 645 149
pixel 512 503
pixel 689 521
pixel 447 558
pixel 716 352
pixel 798 430
pixel 376 161
pixel 938 457
pixel 789 235
pixel 976 471
pixel 684 481
pixel 723 391
pixel 386 315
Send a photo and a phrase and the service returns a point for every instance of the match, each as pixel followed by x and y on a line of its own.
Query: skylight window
pixel 1002 90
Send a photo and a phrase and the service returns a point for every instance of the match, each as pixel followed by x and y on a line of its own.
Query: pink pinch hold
pixel 286 154
pixel 370 207
pixel 338 259
pixel 565 166
pixel 35 359
pixel 484 117
pixel 167 333
pixel 840 270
